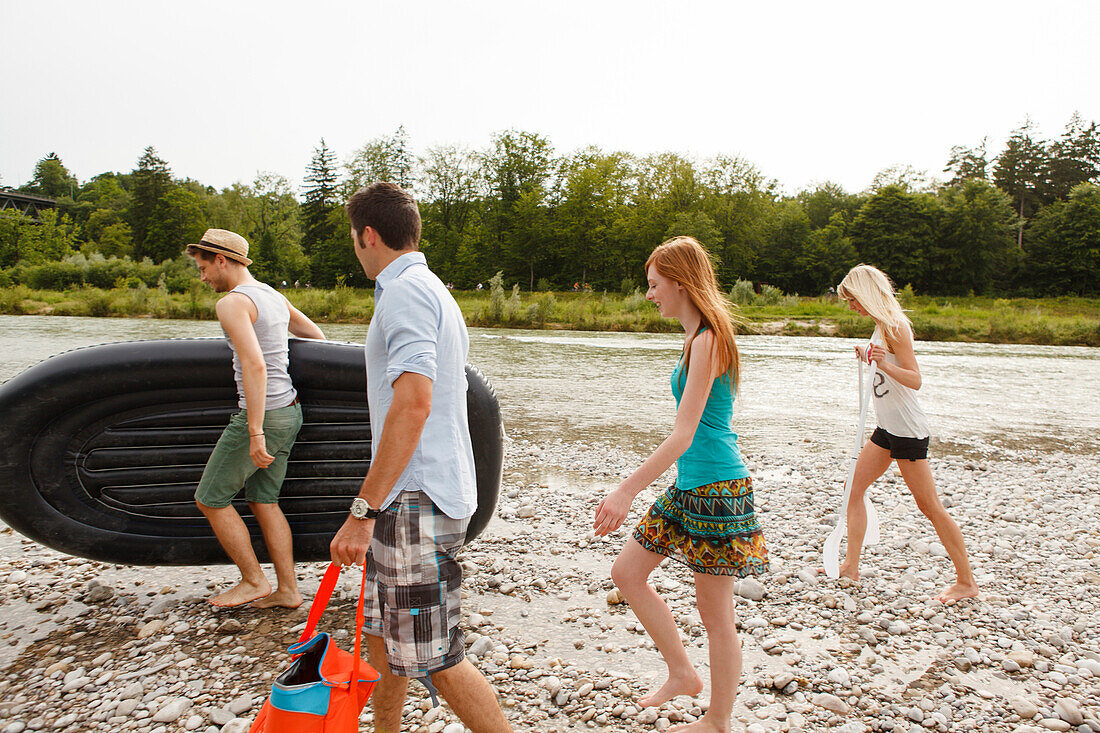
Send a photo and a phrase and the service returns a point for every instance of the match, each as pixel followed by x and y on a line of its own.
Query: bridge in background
pixel 23 203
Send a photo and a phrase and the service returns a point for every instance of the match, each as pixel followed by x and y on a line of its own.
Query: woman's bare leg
pixel 714 598
pixel 631 573
pixel 872 462
pixel 918 477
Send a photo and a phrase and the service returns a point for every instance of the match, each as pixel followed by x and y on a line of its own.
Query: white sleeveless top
pixel 272 320
pixel 896 406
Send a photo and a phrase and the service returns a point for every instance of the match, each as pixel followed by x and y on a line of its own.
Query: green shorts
pixel 230 467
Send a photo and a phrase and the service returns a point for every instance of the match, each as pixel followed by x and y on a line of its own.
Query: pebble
pixel 244 703
pixel 543 627
pixel 1069 711
pixel 171 710
pixel 830 702
pixel 750 588
pixel 1025 708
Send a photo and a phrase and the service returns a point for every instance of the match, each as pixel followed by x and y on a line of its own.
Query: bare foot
pixel 851 572
pixel 954 593
pixel 281 598
pixel 690 685
pixel 845 572
pixel 241 594
pixel 702 725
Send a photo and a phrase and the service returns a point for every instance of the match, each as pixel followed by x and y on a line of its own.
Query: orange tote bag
pixel 325 688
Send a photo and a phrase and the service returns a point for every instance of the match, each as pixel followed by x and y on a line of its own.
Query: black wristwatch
pixel 360 509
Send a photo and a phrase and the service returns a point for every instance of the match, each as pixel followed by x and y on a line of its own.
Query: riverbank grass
pixel 1064 321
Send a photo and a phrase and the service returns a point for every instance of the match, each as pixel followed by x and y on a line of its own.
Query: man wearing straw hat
pixel 410 517
pixel 252 451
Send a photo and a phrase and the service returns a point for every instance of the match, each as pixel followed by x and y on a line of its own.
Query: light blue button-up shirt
pixel 417 327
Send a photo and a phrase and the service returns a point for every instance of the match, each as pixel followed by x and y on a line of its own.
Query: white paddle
pixel 831 552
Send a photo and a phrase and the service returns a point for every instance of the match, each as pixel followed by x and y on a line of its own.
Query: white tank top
pixel 272 319
pixel 896 406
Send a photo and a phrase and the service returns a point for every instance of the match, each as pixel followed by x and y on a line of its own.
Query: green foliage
pixel 634 302
pixel 1062 253
pixel 320 203
pixel 787 235
pixel 381 159
pixel 151 182
pixel 592 217
pixel 742 292
pixel 178 221
pixel 334 258
pixel 495 313
pixel 894 232
pixel 545 305
pixel 826 257
pixel 51 179
pixel 770 295
pixel 975 239
pixel 968 163
pixel 337 300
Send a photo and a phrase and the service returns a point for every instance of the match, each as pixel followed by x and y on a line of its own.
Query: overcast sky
pixel 806 91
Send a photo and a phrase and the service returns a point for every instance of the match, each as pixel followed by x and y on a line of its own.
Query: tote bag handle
pixel 320 603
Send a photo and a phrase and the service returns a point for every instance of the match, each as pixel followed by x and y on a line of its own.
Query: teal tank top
pixel 713 454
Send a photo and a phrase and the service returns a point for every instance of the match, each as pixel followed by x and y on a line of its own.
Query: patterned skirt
pixel 711 529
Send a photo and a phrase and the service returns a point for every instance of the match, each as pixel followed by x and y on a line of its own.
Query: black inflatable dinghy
pixel 101 448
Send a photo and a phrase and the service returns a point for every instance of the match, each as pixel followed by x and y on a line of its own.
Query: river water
pixel 797 393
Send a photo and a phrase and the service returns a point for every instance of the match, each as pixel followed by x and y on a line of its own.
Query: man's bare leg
pixel 233 535
pixel 472 699
pixel 280 547
pixel 388 698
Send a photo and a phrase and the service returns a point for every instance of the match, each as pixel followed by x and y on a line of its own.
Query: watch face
pixel 359 508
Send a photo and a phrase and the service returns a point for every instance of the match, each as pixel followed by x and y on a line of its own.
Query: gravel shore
pixel 86 646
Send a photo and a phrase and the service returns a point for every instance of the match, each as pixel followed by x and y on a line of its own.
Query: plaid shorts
pixel 415 603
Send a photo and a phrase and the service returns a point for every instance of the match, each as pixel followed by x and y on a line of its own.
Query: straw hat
pixel 225 242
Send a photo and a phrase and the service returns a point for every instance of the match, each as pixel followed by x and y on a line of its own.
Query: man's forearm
pixel 254 381
pixel 400 436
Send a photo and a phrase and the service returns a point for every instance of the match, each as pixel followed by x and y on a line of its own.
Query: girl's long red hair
pixel 684 260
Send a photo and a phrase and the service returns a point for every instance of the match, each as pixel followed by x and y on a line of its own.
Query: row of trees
pixel 1024 222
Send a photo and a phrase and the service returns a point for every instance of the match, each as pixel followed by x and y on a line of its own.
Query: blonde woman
pixel 902 429
pixel 706 520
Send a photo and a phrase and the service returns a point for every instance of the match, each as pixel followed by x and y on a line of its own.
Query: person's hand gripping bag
pixel 325 688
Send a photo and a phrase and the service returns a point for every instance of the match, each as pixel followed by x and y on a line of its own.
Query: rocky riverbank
pixel 91 647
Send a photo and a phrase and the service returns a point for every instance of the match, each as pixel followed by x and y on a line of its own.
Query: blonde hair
pixel 872 289
pixel 684 260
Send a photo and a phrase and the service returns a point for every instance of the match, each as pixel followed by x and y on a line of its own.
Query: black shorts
pixel 913 449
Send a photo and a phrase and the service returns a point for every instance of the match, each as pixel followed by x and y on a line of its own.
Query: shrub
pixel 53 276
pixel 11 299
pixel 99 302
pixel 770 295
pixel 742 292
pixel 544 285
pixel 336 301
pixel 626 286
pixel 634 302
pixel 544 308
pixel 512 307
pixel 495 313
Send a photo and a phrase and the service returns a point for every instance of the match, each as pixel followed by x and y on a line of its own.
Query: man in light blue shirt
pixel 410 517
